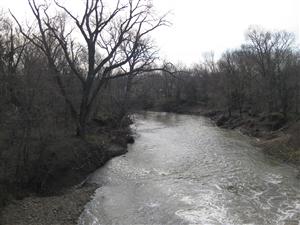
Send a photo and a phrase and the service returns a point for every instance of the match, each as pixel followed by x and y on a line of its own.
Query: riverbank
pixel 53 195
pixel 51 210
pixel 273 133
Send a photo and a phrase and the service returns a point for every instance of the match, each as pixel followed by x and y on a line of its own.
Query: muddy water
pixel 184 170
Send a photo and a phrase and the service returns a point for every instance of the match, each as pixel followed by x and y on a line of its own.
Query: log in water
pixel 184 170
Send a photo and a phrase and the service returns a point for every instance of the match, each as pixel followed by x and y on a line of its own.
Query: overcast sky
pixel 200 26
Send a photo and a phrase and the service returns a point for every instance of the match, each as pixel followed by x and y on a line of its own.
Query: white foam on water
pixel 153 204
pixel 188 200
pixel 202 217
pixel 272 178
pixel 292 210
pixel 192 216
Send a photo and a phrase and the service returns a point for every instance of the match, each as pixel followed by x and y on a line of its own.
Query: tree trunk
pixel 81 130
pixel 83 119
pixel 126 100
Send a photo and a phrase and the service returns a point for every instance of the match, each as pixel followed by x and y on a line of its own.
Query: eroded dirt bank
pixel 57 193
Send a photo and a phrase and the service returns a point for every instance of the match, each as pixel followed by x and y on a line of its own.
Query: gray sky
pixel 200 26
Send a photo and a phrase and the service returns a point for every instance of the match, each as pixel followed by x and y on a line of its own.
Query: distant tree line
pixel 262 76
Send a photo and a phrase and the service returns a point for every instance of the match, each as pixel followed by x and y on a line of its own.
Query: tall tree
pixel 270 51
pixel 113 43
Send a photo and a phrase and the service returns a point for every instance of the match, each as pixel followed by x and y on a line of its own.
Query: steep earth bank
pixel 56 192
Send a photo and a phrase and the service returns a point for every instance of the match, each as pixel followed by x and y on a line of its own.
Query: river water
pixel 184 170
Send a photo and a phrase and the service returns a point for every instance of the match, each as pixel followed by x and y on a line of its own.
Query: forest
pixel 69 84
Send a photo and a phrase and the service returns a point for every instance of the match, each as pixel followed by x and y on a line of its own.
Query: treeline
pixel 262 76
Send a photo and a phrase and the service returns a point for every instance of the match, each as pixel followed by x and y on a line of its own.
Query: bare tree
pixel 116 44
pixel 269 51
pixel 12 46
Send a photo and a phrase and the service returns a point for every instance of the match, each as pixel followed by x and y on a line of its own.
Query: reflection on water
pixel 184 170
